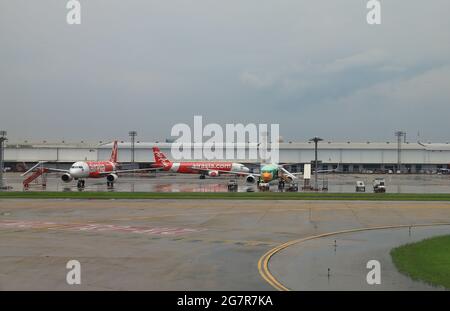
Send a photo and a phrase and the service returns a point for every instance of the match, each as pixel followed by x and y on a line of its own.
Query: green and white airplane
pixel 270 173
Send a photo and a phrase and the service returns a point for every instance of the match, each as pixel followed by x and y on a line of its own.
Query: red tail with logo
pixel 160 158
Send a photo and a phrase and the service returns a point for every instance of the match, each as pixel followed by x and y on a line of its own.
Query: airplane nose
pixel 74 172
pixel 266 176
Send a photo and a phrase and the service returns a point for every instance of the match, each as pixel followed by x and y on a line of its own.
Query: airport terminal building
pixel 352 157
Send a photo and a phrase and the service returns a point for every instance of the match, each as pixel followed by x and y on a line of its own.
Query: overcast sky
pixel 313 66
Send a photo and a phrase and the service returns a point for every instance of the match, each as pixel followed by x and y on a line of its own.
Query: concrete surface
pixel 171 244
pixel 304 266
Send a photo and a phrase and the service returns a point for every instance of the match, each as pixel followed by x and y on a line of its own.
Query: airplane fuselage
pixel 91 169
pixel 212 168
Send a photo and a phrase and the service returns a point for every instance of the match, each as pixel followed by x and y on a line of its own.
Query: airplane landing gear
pixel 80 184
pixel 202 176
pixel 264 187
pixel 281 185
pixel 110 184
pixel 232 186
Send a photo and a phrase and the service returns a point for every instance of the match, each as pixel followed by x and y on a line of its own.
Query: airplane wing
pixel 200 169
pixel 287 172
pixel 238 173
pixel 56 170
pixel 206 170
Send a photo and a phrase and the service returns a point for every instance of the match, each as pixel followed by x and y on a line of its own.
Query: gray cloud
pixel 315 67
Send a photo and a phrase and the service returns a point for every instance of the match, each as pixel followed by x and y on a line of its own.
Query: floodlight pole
pixel 2 156
pixel 133 135
pixel 316 166
pixel 399 135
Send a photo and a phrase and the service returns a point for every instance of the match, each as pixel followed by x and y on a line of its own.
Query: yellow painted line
pixel 263 262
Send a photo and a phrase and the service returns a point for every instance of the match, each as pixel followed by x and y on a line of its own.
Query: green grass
pixel 427 260
pixel 224 195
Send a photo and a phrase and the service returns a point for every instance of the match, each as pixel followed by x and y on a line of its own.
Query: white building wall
pixel 344 153
pixel 73 154
pixel 31 154
pixel 329 156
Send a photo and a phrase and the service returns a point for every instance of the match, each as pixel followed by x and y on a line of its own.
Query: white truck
pixel 360 186
pixel 379 185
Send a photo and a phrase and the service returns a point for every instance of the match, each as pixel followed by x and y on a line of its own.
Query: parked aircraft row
pixel 82 170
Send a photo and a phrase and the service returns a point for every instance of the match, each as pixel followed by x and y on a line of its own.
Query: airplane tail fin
pixel 160 158
pixel 114 153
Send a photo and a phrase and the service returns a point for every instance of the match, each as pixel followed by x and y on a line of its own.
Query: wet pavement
pixel 161 182
pixel 304 266
pixel 184 244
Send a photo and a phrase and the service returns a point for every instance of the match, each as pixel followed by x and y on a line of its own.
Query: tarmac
pixel 163 182
pixel 203 245
pixel 340 261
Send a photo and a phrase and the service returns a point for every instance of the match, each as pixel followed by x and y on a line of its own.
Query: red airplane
pixel 211 169
pixel 94 169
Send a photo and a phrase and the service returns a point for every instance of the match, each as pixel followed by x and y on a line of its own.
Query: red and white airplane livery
pixel 211 169
pixel 94 169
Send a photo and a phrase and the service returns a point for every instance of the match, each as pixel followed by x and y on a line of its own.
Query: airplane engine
pixel 250 179
pixel 112 177
pixel 66 177
pixel 213 173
